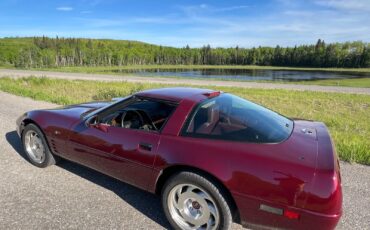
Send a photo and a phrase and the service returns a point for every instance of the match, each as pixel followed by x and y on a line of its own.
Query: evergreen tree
pixel 48 52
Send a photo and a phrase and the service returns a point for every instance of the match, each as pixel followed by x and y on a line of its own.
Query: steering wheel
pixel 124 114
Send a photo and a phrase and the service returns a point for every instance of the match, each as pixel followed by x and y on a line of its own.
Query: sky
pixel 195 23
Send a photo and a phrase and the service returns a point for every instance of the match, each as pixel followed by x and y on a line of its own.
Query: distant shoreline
pixel 362 84
pixel 96 69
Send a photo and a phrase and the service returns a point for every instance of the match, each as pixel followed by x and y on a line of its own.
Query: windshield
pixel 93 112
pixel 230 117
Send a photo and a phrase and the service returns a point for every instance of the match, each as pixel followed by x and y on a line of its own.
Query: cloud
pixel 95 2
pixel 152 20
pixel 204 8
pixel 355 5
pixel 231 8
pixel 86 12
pixel 101 22
pixel 286 24
pixel 197 25
pixel 64 8
pixel 299 13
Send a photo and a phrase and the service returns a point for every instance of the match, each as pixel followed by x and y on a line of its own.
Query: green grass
pixel 354 82
pixel 346 115
pixel 6 66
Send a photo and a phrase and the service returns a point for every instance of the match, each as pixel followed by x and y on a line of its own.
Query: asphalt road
pixel 244 84
pixel 70 196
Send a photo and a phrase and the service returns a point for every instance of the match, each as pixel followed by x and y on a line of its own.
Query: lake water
pixel 245 74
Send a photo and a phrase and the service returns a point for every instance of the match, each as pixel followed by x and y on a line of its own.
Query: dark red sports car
pixel 213 157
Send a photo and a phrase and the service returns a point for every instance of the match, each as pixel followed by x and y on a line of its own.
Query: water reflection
pixel 244 74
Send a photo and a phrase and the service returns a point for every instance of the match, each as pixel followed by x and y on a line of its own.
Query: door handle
pixel 145 146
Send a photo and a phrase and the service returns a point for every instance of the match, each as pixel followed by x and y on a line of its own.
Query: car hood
pixel 77 111
pixel 90 105
pixel 87 107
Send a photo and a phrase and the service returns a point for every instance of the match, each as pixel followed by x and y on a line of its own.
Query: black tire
pixel 49 158
pixel 200 181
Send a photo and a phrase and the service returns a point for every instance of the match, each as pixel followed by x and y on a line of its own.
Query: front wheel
pixel 36 147
pixel 191 201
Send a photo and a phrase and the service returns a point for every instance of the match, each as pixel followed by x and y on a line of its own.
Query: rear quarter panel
pixel 252 173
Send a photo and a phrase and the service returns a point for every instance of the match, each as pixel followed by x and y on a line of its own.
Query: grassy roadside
pixel 356 82
pixel 346 115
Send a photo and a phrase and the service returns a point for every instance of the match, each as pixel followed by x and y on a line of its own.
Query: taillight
pixel 279 211
pixel 291 215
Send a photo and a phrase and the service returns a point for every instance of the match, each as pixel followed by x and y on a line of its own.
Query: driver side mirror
pixel 92 123
pixel 100 126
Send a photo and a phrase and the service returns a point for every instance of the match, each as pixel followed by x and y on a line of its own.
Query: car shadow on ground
pixel 145 202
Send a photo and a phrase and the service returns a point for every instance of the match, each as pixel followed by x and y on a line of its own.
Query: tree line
pixel 59 52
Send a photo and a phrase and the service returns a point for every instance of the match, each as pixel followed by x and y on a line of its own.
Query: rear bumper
pixel 252 217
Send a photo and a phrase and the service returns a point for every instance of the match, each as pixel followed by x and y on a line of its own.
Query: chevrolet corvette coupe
pixel 212 157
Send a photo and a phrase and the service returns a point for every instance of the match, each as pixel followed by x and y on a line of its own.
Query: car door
pixel 124 153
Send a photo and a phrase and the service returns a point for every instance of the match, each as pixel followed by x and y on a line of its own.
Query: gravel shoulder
pixel 70 196
pixel 106 77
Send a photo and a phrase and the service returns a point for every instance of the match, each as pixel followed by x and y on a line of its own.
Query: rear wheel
pixel 36 148
pixel 191 201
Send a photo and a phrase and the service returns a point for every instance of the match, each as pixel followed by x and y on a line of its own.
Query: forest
pixel 43 52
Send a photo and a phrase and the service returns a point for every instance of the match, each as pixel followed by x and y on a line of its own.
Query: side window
pixel 140 114
pixel 205 119
pixel 228 117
